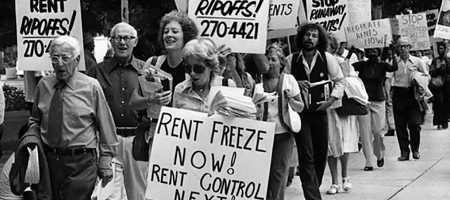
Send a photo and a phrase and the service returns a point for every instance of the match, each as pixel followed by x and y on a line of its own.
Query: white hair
pixel 71 41
pixel 124 24
pixel 202 49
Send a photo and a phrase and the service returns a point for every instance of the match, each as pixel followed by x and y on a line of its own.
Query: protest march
pixel 224 99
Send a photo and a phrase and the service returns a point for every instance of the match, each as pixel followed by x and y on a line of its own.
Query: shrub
pixel 14 98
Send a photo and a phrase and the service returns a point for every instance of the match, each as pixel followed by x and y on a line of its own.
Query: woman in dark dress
pixel 440 67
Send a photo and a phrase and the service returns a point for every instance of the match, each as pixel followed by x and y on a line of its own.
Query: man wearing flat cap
pixel 407 113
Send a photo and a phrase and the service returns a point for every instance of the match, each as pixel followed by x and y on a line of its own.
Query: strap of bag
pixel 265 111
pixel 280 102
pixel 153 60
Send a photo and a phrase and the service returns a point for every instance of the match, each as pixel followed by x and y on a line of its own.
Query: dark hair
pixel 322 44
pixel 188 26
pixel 377 49
pixel 441 44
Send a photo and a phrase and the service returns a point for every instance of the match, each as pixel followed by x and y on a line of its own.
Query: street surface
pixel 425 179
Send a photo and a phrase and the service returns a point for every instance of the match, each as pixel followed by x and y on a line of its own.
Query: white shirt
pixel 403 74
pixel 334 71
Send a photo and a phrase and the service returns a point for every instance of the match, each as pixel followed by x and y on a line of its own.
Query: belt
pixel 126 131
pixel 68 151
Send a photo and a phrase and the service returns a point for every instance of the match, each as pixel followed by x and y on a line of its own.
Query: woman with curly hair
pixel 175 30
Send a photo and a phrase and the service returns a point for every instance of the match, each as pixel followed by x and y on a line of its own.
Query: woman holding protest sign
pixel 278 91
pixel 201 58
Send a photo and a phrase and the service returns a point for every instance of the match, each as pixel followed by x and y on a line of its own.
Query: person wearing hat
pixel 89 46
pixel 407 112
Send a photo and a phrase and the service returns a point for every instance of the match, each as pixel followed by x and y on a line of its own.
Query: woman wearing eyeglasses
pixel 201 59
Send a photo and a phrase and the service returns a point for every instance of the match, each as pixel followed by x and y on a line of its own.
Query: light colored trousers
pixel 134 172
pixel 371 131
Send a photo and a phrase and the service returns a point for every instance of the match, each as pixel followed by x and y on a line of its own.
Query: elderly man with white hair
pixel 407 113
pixel 73 120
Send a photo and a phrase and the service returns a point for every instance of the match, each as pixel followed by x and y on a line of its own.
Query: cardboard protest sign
pixel 199 157
pixel 359 11
pixel 181 5
pixel 331 14
pixel 432 16
pixel 394 26
pixel 283 32
pixel 241 25
pixel 38 23
pixel 283 14
pixel 443 24
pixel 373 34
pixel 415 27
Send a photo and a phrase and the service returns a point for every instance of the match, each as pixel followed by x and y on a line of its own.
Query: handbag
pixel 140 145
pixel 288 117
pixel 437 82
pixel 351 106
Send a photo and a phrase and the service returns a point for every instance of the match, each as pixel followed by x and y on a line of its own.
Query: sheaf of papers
pixel 230 101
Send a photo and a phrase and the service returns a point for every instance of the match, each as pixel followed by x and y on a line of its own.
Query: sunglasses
pixel 196 68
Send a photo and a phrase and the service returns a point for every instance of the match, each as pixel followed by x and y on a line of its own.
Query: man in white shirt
pixel 407 113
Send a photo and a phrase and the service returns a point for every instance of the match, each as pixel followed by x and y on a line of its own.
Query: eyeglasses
pixel 196 68
pixel 64 59
pixel 404 46
pixel 126 38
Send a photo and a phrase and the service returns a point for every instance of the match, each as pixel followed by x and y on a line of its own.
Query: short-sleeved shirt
pixel 402 75
pixel 373 75
pixel 290 83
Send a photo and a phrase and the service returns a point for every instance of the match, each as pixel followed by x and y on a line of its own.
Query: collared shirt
pixel 334 71
pixel 118 82
pixel 85 114
pixel 186 98
pixel 402 75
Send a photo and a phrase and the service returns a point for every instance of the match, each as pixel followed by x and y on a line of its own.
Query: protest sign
pixel 415 27
pixel 331 14
pixel 199 157
pixel 241 25
pixel 359 11
pixel 431 20
pixel 443 24
pixel 38 22
pixel 373 34
pixel 394 26
pixel 283 14
pixel 181 5
pixel 283 32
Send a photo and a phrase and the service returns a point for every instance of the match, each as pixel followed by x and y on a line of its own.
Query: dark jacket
pixel 17 174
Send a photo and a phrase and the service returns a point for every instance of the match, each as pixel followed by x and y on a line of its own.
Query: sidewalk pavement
pixel 425 179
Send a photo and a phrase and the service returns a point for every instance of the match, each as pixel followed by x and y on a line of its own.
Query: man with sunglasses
pixel 70 116
pixel 118 77
pixel 407 112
